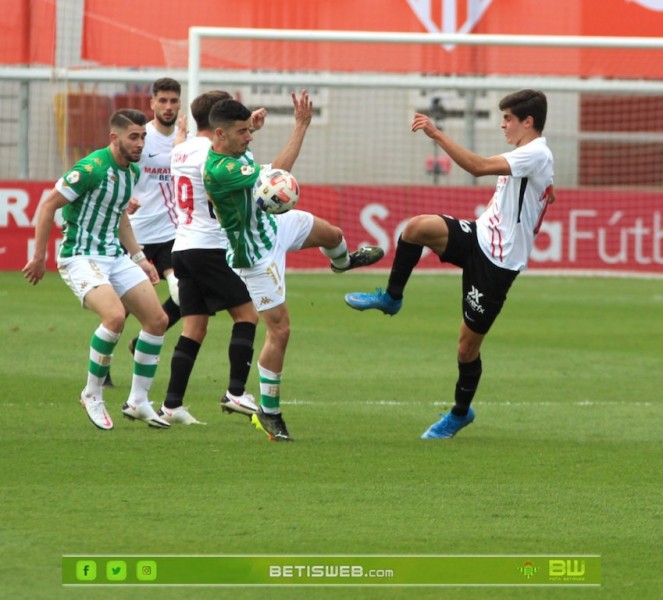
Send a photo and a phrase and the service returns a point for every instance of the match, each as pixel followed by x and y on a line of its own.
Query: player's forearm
pixel 464 158
pixel 42 233
pixel 287 157
pixel 44 227
pixel 471 162
pixel 126 235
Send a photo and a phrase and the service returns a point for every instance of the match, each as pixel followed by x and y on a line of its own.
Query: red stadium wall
pixel 28 32
pixel 158 36
pixel 604 231
pixel 163 40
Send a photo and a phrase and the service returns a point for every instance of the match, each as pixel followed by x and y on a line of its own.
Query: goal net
pixel 363 169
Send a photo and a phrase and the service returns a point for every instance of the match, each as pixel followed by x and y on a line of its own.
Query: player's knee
pixel 324 234
pixel 336 235
pixel 245 313
pixel 467 351
pixel 415 229
pixel 115 320
pixel 196 333
pixel 284 333
pixel 280 334
pixel 157 323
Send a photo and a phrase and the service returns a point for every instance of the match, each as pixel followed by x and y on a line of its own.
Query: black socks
pixel 466 386
pixel 407 257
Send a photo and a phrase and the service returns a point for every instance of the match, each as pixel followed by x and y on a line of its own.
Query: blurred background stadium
pixel 65 65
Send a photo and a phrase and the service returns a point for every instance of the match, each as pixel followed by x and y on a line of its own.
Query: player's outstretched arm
pixel 466 159
pixel 303 115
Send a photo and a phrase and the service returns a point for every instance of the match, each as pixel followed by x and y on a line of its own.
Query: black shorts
pixel 207 284
pixel 160 256
pixel 485 285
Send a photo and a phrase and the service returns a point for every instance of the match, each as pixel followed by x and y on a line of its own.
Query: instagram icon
pixel 146 570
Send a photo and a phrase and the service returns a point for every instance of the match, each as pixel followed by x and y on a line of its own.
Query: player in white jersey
pixel 152 208
pixel 93 196
pixel 491 250
pixel 207 284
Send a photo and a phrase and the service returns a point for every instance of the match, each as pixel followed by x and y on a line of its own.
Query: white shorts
pixel 266 279
pixel 84 273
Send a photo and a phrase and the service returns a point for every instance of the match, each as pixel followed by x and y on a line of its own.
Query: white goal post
pixel 364 169
pixel 378 80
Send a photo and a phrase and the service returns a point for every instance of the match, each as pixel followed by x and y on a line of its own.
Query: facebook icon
pixel 86 570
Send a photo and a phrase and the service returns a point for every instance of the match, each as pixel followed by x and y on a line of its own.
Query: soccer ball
pixel 276 191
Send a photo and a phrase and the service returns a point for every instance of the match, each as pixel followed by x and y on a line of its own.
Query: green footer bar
pixel 331 570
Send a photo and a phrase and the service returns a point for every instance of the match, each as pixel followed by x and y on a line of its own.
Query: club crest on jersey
pixel 73 177
pixel 247 170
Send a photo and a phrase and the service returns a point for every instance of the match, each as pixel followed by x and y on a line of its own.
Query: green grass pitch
pixel 564 456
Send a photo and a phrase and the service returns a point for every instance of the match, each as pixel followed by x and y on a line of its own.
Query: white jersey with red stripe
pixel 198 226
pixel 507 228
pixel 155 221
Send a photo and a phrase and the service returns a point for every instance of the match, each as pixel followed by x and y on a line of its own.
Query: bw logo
pixel 566 568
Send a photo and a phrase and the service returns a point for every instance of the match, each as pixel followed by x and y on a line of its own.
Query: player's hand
pixel 34 271
pixel 181 121
pixel 258 118
pixel 182 131
pixel 150 271
pixel 424 123
pixel 133 206
pixel 303 108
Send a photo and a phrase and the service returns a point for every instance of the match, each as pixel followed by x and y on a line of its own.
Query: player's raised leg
pixel 332 244
pixel 422 231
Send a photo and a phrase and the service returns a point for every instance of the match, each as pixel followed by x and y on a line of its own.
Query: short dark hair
pixel 126 117
pixel 202 105
pixel 527 103
pixel 166 84
pixel 228 111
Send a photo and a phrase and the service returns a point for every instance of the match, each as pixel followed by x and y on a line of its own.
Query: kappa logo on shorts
pixel 265 300
pixel 473 298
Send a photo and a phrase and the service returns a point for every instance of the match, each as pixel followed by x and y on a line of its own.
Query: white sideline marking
pixel 484 403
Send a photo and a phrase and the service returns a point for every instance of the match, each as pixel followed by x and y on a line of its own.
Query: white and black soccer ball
pixel 276 191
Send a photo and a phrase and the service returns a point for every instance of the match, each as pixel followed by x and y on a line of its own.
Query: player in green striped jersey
pixel 258 242
pixel 93 196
